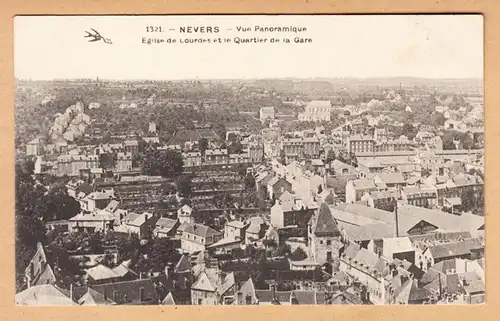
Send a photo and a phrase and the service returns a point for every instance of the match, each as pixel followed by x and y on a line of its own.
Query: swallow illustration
pixel 97 37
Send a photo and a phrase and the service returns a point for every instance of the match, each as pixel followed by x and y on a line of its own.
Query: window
pixel 328 242
pixel 321 242
pixel 200 301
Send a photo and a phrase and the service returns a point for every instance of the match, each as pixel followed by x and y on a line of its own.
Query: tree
pixel 107 160
pixel 234 148
pixel 237 253
pixel 330 156
pixel 29 209
pixel 161 253
pixel 203 144
pixel 249 181
pixel 58 205
pixel 164 163
pixel 409 131
pixel 184 185
pixel 128 247
pixel 298 255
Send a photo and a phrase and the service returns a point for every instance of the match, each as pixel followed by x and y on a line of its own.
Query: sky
pixel 343 46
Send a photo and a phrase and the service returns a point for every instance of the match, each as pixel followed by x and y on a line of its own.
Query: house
pixel 211 288
pixel 196 237
pixel 419 196
pixel 96 200
pixel 466 249
pixel 473 286
pixel 43 295
pixel 35 147
pixel 339 168
pixel 134 292
pixel 184 214
pixel 235 230
pixel 304 265
pixel 383 200
pixel 290 214
pixel 166 227
pixel 141 224
pixel 94 298
pixel 246 294
pixel 277 186
pixel 131 146
pixel 39 271
pixel 256 229
pixel 225 245
pixel 75 187
pixel 393 181
pixel 324 236
pixel 101 274
pixel 123 162
pixel 90 223
pixel 268 297
pixel 394 248
pixel 355 189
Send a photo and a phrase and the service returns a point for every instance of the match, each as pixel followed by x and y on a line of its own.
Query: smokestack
pixel 396 220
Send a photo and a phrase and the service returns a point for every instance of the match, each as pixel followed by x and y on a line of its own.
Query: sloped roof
pixel 201 230
pixel 204 282
pixel 227 283
pixel 325 225
pixel 392 178
pixel 92 297
pixel 168 300
pixel 363 184
pixel 248 288
pixel 43 295
pixel 454 249
pixel 183 265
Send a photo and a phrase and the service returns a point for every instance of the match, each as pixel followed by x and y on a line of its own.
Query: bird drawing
pixel 96 36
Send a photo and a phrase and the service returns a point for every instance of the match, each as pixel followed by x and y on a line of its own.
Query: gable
pixel 420 227
pixel 203 283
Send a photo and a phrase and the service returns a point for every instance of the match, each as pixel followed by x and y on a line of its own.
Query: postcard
pixel 249 160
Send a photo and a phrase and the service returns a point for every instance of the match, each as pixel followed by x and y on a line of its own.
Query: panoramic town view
pixel 255 191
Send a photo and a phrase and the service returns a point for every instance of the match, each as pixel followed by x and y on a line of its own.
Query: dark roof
pixel 201 230
pixel 325 225
pixel 346 298
pixel 119 290
pixel 455 249
pixel 267 296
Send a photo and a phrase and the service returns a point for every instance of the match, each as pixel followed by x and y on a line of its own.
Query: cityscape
pixel 249 191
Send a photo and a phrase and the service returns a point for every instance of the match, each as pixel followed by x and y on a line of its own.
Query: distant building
pixel 266 113
pixel 360 143
pixel 317 110
pixel 298 149
pixel 196 237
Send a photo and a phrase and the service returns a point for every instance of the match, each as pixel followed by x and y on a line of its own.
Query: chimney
pixel 396 219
